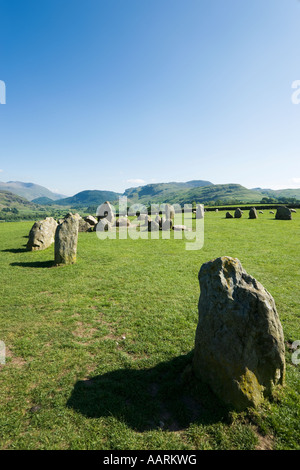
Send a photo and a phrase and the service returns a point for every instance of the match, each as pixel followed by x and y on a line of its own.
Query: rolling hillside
pixel 196 191
pixel 225 193
pixel 277 193
pixel 87 198
pixel 29 191
pixel 9 200
pixel 160 192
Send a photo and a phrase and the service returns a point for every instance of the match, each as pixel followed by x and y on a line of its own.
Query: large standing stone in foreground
pixel 66 237
pixel 41 235
pixel 253 213
pixel 239 344
pixel 283 213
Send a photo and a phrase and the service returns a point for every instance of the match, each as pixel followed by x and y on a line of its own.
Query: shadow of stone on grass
pixel 35 264
pixel 15 250
pixel 148 399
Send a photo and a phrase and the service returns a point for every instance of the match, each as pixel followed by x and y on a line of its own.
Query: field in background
pixel 96 352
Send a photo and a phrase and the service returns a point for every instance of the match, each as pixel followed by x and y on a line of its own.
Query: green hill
pixel 175 193
pixel 160 192
pixel 196 191
pixel 9 200
pixel 87 198
pixel 14 207
pixel 178 193
pixel 219 193
pixel 29 191
pixel 42 200
pixel 280 193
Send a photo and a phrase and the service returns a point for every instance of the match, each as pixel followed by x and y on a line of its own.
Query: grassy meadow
pixel 96 352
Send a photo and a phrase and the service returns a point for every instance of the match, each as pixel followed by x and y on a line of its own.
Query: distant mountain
pixel 205 194
pixel 161 192
pixel 29 190
pixel 277 193
pixel 87 198
pixel 198 191
pixel 222 193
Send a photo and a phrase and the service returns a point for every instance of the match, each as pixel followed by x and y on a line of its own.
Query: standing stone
pixel 142 217
pixel 91 220
pixel 283 213
pixel 169 211
pixel 228 215
pixel 106 211
pixel 122 222
pixel 238 213
pixel 253 213
pixel 200 211
pixel 83 225
pixel 147 219
pixel 239 344
pixel 166 224
pixel 153 226
pixel 66 237
pixel 103 226
pixel 158 220
pixel 41 235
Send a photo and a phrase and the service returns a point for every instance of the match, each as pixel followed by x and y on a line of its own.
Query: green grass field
pixel 95 352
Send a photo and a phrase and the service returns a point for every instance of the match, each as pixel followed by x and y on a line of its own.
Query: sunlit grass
pixel 96 351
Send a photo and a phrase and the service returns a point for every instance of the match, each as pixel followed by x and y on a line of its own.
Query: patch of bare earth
pixel 264 442
pixel 14 361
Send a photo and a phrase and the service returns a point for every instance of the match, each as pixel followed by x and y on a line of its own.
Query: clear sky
pixel 109 94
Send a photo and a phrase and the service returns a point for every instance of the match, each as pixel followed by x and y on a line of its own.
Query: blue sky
pixel 109 94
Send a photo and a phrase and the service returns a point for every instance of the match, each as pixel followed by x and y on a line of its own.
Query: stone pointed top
pixel 239 343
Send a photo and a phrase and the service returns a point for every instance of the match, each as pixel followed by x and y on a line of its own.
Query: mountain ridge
pixel 29 191
pixel 199 191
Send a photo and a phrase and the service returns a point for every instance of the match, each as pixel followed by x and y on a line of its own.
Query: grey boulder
pixel 199 211
pixel 238 213
pixel 253 213
pixel 283 213
pixel 66 237
pixel 106 211
pixel 41 235
pixel 239 343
